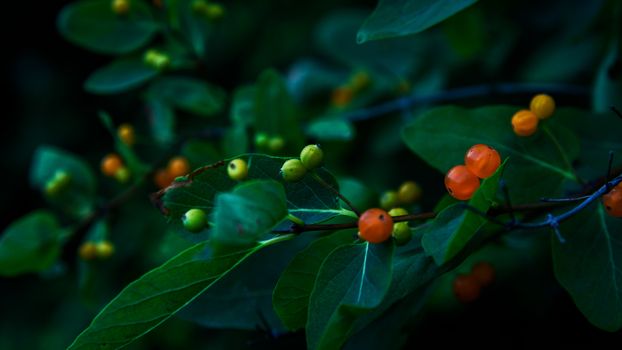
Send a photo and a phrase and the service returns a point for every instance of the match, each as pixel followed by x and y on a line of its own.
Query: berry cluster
pixel 467 288
pixel 481 161
pixel 525 122
pixel 177 166
pixel 613 201
pixel 271 143
pixel 311 157
pixel 112 166
pixel 90 250
pixel 409 192
pixel 156 59
pixel 343 94
pixel 376 226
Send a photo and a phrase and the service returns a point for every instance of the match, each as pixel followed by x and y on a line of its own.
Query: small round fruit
pixel 214 11
pixel 342 96
pixel 401 233
pixel 524 123
pixel 293 170
pixel 104 249
pixel 194 220
pixel 276 144
pixel 122 175
pixel 178 166
pixel 110 164
pixel 261 140
pixel 311 156
pixel 466 288
pixel 162 178
pixel 126 134
pixel 398 212
pixel 482 160
pixel 375 225
pixel 613 201
pixel 360 80
pixel 237 169
pixel 542 105
pixel 199 6
pixel 484 273
pixel 389 200
pixel 409 192
pixel 87 251
pixel 461 183
pixel 120 7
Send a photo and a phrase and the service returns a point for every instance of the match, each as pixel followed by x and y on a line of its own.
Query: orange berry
pixel 542 106
pixel 461 183
pixel 484 273
pixel 342 96
pixel 87 251
pixel 482 160
pixel 126 134
pixel 466 288
pixel 613 201
pixel 375 225
pixel 178 166
pixel 162 178
pixel 525 123
pixel 111 164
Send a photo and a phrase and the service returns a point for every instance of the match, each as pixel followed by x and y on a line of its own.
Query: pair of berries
pixel 210 10
pixel 194 220
pixel 408 193
pixel 613 201
pixel 525 122
pixel 112 166
pixel 343 95
pixel 265 142
pixel 177 166
pixel 481 161
pixel 156 59
pixel 58 183
pixel 376 226
pixel 96 250
pixel 311 157
pixel 467 288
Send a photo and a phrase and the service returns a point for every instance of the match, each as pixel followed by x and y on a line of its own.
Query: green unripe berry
pixel 293 170
pixel 398 212
pixel 194 220
pixel 311 156
pixel 156 59
pixel 104 249
pixel 199 6
pixel 214 11
pixel 401 233
pixel 262 140
pixel 57 183
pixel 237 169
pixel 389 200
pixel 276 144
pixel 122 175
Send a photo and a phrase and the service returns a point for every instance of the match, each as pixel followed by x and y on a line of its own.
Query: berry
pixel 194 220
pixel 401 231
pixel 311 156
pixel 178 166
pixel 409 192
pixel 482 160
pixel 398 212
pixel 359 81
pixel 276 144
pixel 104 249
pixel 156 59
pixel 484 273
pixel 389 200
pixel 126 134
pixel 261 140
pixel 199 6
pixel 613 201
pixel 237 169
pixel 214 11
pixel 524 123
pixel 466 288
pixel 110 164
pixel 375 225
pixel 87 251
pixel 120 7
pixel 57 183
pixel 293 170
pixel 542 106
pixel 162 178
pixel 122 175
pixel 461 183
pixel 342 96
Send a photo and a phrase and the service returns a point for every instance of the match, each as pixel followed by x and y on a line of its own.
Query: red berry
pixel 613 201
pixel 461 183
pixel 375 225
pixel 484 273
pixel 482 160
pixel 466 288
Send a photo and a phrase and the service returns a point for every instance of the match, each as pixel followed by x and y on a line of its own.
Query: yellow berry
pixel 126 134
pixel 214 11
pixel 293 170
pixel 542 106
pixel 237 169
pixel 409 192
pixel 398 212
pixel 311 156
pixel 87 251
pixel 120 7
pixel 104 249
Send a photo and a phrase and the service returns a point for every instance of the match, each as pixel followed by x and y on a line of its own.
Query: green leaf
pixel 119 76
pixel 292 292
pixel 275 111
pixel 450 231
pixel 78 197
pixel 248 212
pixel 441 137
pixel 307 199
pixel 193 25
pixel 358 193
pixel 156 296
pixel 188 94
pixel 92 25
pixel 608 85
pixel 393 18
pixel 589 265
pixel 30 244
pixel 330 129
pixel 243 106
pixel 161 120
pixel 235 141
pixel 352 281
